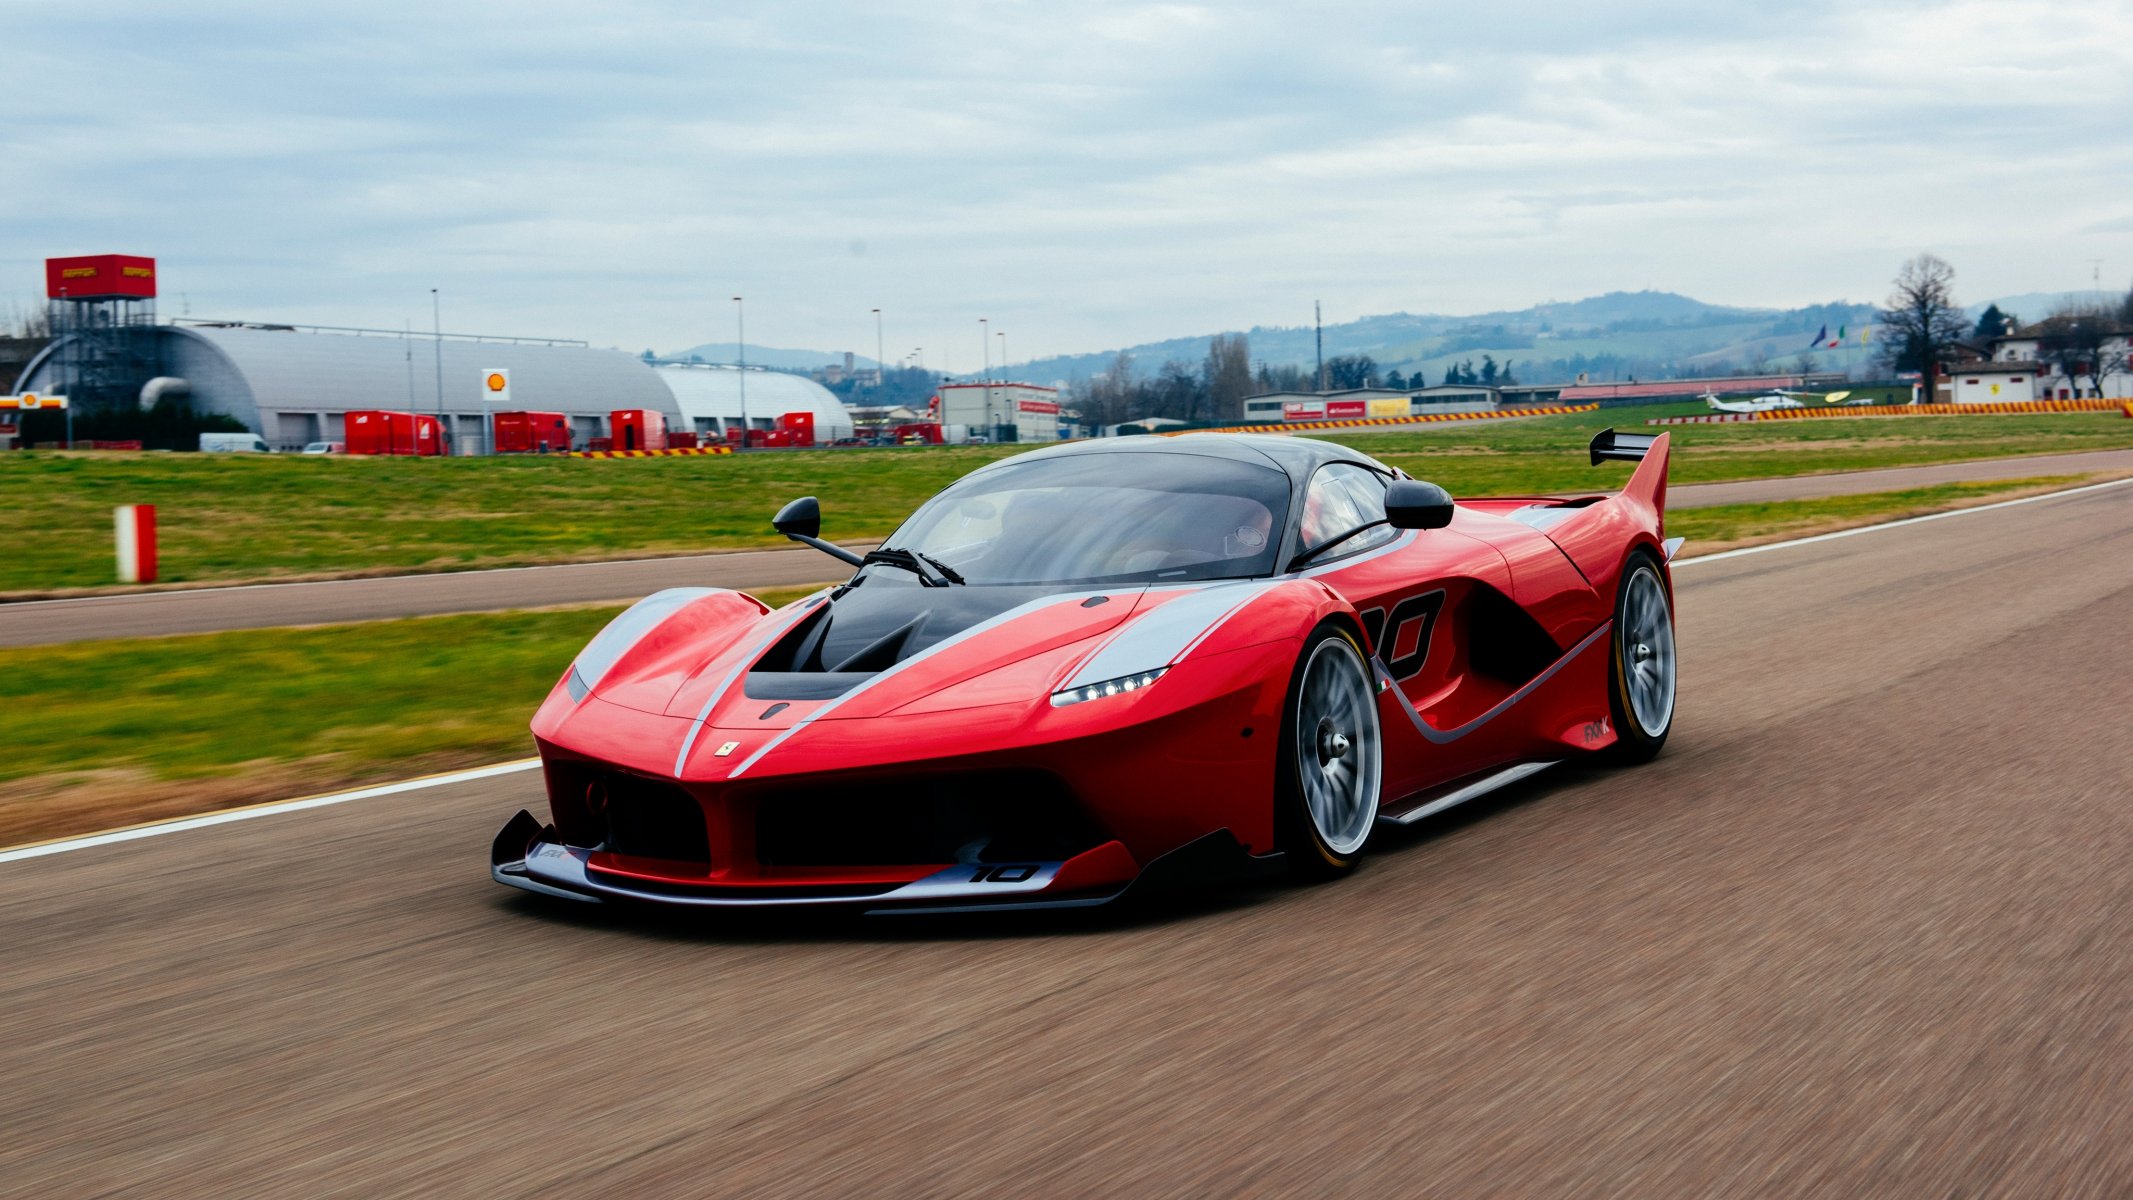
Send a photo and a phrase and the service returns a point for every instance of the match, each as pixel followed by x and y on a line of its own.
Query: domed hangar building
pixel 712 395
pixel 294 384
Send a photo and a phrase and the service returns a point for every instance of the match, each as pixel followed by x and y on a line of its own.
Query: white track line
pixel 158 829
pixel 1855 532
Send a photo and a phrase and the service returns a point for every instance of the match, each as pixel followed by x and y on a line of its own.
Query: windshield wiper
pixel 929 572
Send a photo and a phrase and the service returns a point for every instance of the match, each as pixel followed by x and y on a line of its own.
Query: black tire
pixel 1329 725
pixel 1642 665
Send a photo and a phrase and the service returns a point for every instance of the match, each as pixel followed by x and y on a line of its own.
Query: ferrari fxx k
pixel 1101 667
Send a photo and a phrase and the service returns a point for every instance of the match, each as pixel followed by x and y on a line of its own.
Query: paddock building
pixel 294 384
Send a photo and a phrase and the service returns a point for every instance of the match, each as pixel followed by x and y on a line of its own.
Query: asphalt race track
pixel 1862 930
pixel 204 610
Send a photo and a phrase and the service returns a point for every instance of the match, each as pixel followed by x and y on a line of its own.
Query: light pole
pixel 985 369
pixel 740 357
pixel 437 337
pixel 880 365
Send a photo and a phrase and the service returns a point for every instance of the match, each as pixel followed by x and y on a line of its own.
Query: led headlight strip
pixel 1109 687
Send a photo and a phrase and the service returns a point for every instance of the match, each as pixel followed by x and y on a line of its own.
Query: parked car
pixel 326 448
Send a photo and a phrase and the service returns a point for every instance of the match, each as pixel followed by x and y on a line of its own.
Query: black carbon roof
pixel 1296 457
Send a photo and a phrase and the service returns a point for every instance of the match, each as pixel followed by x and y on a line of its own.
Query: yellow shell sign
pixel 497 382
pixel 496 386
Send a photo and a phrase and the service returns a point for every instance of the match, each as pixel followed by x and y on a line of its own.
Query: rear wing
pixel 1621 447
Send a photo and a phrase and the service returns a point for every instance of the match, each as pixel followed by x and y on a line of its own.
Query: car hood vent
pixel 863 631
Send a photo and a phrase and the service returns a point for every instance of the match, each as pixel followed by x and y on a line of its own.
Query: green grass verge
pixel 135 729
pixel 1720 526
pixel 234 517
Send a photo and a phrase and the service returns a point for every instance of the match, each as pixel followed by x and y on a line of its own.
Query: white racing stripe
pixel 268 810
pixel 276 808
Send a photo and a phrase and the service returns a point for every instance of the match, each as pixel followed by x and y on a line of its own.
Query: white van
pixel 234 442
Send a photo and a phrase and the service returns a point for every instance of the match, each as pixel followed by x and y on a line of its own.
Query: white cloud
pixel 1086 175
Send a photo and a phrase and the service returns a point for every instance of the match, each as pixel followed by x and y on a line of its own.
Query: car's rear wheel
pixel 1331 755
pixel 1642 676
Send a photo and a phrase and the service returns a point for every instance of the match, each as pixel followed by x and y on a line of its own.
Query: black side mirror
pixel 800 519
pixel 1414 504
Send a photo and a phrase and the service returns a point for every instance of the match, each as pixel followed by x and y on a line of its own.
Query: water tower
pixel 103 315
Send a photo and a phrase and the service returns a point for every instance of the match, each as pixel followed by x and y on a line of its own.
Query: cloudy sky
pixel 1084 175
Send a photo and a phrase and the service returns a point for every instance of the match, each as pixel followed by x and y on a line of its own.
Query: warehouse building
pixel 710 398
pixel 294 384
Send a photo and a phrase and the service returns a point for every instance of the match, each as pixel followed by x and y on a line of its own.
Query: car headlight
pixel 1108 687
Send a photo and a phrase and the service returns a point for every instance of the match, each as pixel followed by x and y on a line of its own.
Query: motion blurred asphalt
pixel 1861 930
pixel 205 610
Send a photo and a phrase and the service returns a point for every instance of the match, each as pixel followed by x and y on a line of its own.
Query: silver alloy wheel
pixel 1648 651
pixel 1337 745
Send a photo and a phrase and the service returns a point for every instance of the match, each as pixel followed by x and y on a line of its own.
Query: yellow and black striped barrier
pixel 1378 422
pixel 1997 407
pixel 651 453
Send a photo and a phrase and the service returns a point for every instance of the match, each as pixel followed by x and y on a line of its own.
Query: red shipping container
pixel 384 431
pixel 799 428
pixel 599 443
pixel 638 429
pixel 532 433
pixel 681 441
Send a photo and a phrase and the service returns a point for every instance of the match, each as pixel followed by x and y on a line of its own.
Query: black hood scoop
pixel 863 631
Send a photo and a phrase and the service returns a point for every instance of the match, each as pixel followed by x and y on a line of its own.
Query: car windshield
pixel 1105 518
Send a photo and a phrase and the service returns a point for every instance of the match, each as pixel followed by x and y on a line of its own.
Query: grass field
pixel 145 728
pixel 235 517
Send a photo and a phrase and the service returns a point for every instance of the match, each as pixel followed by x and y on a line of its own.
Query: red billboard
pixel 1343 410
pixel 1303 410
pixel 100 277
pixel 1048 407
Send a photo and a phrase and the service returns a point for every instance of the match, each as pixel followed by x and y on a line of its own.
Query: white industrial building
pixel 1021 412
pixel 293 384
pixel 710 398
pixel 2034 365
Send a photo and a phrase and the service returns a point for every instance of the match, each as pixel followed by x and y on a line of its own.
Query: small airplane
pixel 1776 398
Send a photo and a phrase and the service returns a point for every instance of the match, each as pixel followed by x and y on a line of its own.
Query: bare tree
pixel 1228 376
pixel 2073 340
pixel 1921 319
pixel 1105 399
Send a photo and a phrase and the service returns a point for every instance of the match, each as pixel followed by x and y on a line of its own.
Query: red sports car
pixel 1092 669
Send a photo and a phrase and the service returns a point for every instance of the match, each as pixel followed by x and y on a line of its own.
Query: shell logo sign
pixel 31 402
pixel 496 386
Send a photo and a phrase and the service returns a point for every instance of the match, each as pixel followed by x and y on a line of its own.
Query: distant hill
pixel 772 356
pixel 1613 336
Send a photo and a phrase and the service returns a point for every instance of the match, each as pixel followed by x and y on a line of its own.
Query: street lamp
pixel 740 358
pixel 985 371
pixel 437 335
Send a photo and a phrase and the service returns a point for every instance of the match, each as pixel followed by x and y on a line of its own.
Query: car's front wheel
pixel 1331 755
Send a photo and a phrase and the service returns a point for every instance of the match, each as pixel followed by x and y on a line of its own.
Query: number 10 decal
pixel 1384 632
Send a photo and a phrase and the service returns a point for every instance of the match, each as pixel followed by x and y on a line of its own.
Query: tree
pixel 1351 371
pixel 2125 309
pixel 2073 341
pixel 1993 323
pixel 1921 320
pixel 1227 376
pixel 1488 370
pixel 1394 379
pixel 1107 399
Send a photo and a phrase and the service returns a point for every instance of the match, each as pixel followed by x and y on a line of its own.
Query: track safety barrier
pixel 1377 422
pixel 2001 408
pixel 651 453
pixel 135 526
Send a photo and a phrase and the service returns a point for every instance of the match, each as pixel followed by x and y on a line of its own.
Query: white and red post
pixel 136 525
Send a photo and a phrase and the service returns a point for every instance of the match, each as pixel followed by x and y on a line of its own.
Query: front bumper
pixel 532 857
